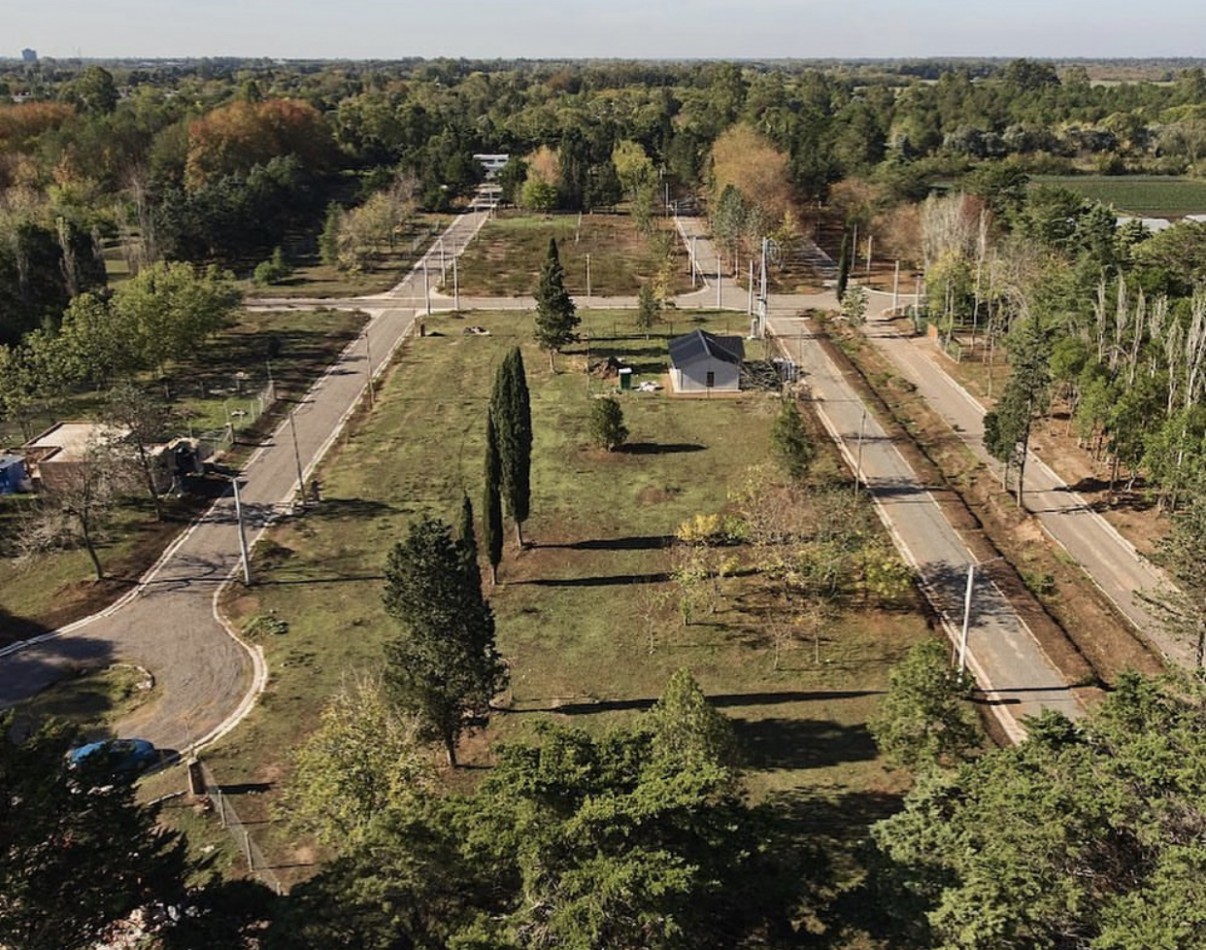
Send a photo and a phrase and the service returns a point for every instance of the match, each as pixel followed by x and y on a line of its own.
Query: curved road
pixel 209 678
pixel 169 623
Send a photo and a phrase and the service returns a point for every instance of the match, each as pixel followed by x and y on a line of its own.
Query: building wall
pixel 693 377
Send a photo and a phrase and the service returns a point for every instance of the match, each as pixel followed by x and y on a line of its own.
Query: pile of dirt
pixel 606 369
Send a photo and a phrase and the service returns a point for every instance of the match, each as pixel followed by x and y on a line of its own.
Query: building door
pixel 711 380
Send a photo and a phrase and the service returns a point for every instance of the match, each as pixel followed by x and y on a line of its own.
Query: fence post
pixel 221 807
pixel 247 851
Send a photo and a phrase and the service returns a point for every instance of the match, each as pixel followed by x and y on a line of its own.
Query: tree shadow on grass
pixel 720 701
pixel 659 577
pixel 780 743
pixel 635 543
pixel 659 448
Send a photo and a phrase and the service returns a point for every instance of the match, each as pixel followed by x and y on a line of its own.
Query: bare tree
pixel 148 420
pixel 79 501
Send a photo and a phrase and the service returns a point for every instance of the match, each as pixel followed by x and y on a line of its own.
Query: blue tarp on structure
pixel 12 473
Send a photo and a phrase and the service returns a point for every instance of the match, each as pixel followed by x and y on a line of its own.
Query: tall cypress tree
pixel 556 316
pixel 467 542
pixel 511 407
pixel 492 523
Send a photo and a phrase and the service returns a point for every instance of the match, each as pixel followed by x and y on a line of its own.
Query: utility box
pixel 626 378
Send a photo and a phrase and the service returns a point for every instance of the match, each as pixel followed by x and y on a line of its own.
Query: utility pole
pixel 456 288
pixel 967 602
pixel 858 465
pixel 896 289
pixel 443 262
pixel 718 281
pixel 870 240
pixel 694 260
pixel 763 299
pixel 426 288
pixel 368 352
pixel 588 280
pixel 749 297
pixel 301 479
pixel 242 533
pixel 271 383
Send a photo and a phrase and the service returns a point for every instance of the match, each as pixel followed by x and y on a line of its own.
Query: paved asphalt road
pixel 169 625
pixel 208 678
pixel 1007 661
pixel 1108 558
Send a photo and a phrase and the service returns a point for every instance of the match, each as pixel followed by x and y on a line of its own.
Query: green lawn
pixel 1145 195
pixel 585 616
pixel 506 257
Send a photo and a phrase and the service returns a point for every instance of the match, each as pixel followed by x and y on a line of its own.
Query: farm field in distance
pixel 1142 195
pixel 587 617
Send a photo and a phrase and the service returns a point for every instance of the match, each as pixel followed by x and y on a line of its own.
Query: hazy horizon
pixel 620 29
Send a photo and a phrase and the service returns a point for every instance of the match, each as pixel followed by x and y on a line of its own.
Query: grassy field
pixel 1149 196
pixel 505 258
pixel 586 616
pixel 59 588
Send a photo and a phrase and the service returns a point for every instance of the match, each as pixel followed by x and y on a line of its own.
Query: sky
pixel 622 29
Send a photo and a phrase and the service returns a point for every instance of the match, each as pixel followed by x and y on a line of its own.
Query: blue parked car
pixel 123 757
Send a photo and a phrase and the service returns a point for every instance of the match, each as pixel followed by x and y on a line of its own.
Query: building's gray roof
pixel 700 343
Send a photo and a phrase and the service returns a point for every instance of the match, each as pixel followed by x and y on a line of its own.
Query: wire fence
pixel 257 864
pixel 242 412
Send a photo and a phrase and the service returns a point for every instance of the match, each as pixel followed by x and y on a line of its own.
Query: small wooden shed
pixel 702 362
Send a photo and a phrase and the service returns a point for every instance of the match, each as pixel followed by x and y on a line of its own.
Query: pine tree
pixel 607 428
pixel 444 664
pixel 510 406
pixel 556 317
pixel 492 525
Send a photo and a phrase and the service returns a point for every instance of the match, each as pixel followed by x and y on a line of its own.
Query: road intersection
pixel 210 678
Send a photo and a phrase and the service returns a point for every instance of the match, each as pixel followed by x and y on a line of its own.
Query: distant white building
pixel 492 162
pixel 1152 225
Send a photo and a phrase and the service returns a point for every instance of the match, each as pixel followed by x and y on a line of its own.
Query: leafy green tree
pixel 1182 553
pixel 607 429
pixel 648 311
pixel 1079 837
pixel 93 92
pixel 569 841
pixel 854 305
pixel 511 412
pixel 444 665
pixel 790 441
pixel 364 757
pixel 272 271
pixel 556 316
pixel 169 309
pixel 1007 427
pixel 924 719
pixel 492 524
pixel 77 852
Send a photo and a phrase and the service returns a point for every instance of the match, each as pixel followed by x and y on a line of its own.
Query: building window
pixel 711 380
